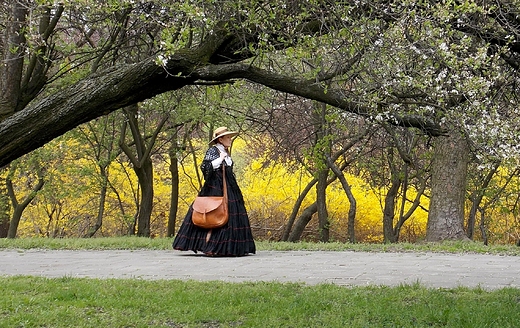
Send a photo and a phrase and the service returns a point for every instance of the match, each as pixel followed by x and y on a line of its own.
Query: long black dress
pixel 233 239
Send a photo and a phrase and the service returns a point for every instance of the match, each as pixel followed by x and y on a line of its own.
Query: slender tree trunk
pixel 11 70
pixel 323 148
pixel 142 165
pixel 321 201
pixel 145 176
pixel 483 228
pixel 132 226
pixel 174 196
pixel 351 216
pixel 351 219
pixel 4 209
pixel 449 174
pixel 102 202
pixel 476 200
pixel 15 222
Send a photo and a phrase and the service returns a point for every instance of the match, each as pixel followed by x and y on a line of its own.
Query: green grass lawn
pixel 77 302
pixel 72 302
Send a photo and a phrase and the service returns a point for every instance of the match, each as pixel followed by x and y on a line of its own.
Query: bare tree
pixel 142 164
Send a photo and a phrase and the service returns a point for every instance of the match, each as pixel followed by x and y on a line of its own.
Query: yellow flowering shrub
pixel 68 204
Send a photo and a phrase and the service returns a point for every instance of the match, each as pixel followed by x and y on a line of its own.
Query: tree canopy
pixel 224 43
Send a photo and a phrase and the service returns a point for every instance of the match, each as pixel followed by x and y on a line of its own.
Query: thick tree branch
pixel 125 85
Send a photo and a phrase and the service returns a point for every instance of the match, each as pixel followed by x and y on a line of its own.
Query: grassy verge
pixel 72 302
pixel 132 243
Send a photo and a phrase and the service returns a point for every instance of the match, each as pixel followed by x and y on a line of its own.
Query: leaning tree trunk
pixel 351 219
pixel 449 173
pixel 296 209
pixel 302 222
pixel 217 58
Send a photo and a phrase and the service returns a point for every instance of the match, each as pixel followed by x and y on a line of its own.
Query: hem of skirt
pixel 187 250
pixel 212 254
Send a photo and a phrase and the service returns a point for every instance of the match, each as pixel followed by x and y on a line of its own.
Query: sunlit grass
pixel 74 302
pixel 132 243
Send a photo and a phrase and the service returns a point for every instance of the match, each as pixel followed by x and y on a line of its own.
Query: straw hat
pixel 220 132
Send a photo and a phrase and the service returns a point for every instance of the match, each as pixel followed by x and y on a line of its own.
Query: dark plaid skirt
pixel 233 239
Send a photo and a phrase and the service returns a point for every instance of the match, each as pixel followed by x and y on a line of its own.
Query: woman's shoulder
pixel 212 153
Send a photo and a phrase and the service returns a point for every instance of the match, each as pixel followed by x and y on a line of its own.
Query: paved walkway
pixel 311 267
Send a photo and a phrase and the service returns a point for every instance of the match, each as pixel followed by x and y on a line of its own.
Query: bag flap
pixel 206 204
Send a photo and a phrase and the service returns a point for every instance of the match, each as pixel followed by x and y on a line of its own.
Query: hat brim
pixel 231 133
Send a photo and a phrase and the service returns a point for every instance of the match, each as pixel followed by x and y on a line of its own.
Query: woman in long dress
pixel 234 238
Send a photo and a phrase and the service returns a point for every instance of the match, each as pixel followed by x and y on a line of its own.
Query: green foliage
pixel 67 302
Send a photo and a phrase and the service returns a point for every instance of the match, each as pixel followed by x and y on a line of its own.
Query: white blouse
pixel 217 162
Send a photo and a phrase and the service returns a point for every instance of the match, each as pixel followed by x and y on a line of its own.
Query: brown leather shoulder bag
pixel 211 211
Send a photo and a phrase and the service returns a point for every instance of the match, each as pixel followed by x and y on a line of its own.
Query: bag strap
pixel 224 180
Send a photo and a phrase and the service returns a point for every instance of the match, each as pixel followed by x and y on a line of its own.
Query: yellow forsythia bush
pixel 68 203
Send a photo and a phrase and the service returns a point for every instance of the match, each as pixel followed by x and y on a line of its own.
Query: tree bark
pixel 11 70
pixel 449 174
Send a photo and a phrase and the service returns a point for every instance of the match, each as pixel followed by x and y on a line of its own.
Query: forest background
pixel 360 122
